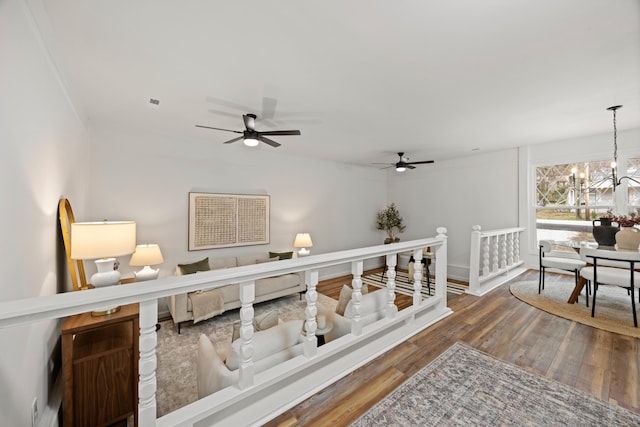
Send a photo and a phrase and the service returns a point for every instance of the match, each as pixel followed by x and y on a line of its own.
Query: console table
pixel 100 368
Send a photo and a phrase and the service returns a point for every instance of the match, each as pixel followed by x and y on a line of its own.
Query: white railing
pixel 495 258
pixel 260 396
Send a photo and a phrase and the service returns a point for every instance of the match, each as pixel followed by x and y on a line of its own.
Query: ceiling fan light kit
pixel 403 163
pixel 250 141
pixel 250 136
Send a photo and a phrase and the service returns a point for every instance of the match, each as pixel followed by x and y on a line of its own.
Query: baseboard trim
pixel 51 412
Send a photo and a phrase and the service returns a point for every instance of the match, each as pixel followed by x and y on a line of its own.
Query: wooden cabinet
pixel 100 368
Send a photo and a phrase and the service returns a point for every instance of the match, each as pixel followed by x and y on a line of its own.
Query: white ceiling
pixel 361 79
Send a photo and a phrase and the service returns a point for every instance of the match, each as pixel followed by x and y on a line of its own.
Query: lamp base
pixel 111 310
pixel 147 273
pixel 304 252
pixel 106 276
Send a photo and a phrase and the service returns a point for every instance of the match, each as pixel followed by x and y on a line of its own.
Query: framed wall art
pixel 227 220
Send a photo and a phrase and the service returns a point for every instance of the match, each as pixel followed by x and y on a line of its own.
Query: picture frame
pixel 220 220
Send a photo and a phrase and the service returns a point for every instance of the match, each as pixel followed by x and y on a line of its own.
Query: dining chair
pixel 569 262
pixel 626 278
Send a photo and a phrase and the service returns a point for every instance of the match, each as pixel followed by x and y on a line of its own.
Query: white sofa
pixel 372 308
pixel 267 289
pixel 219 369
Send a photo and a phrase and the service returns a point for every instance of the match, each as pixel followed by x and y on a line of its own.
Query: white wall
pixel 457 194
pixel 146 177
pixel 43 155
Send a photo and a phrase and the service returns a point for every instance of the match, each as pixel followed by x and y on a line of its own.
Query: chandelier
pixel 614 164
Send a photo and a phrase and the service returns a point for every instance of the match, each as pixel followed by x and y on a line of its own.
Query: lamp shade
pixel 93 240
pixel 146 255
pixel 303 240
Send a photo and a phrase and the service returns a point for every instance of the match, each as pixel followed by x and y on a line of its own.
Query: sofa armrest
pixel 178 308
pixel 212 373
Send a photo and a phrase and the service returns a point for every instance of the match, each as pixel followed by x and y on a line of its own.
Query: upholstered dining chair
pixel 626 278
pixel 569 262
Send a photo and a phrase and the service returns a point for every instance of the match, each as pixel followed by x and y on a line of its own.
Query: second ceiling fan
pixel 403 163
pixel 251 136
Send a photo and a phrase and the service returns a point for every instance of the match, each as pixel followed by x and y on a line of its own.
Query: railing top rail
pixel 478 229
pixel 64 304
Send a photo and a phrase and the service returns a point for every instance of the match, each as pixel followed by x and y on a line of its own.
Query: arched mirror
pixel 76 267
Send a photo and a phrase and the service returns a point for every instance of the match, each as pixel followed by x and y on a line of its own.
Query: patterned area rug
pixel 465 386
pixel 613 305
pixel 177 354
pixel 405 286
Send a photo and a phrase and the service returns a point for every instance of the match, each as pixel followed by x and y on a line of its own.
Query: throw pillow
pixel 202 265
pixel 260 323
pixel 343 300
pixel 345 297
pixel 281 255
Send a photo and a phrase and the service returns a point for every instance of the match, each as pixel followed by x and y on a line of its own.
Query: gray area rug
pixel 177 354
pixel 466 387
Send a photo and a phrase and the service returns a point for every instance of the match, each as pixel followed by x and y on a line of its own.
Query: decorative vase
pixel 628 238
pixel 604 233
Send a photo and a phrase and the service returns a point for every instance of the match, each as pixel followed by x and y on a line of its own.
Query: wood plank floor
pixel 601 363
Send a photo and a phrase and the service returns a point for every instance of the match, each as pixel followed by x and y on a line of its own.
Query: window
pixel 633 172
pixel 569 197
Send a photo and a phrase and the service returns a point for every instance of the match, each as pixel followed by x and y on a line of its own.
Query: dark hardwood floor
pixel 601 363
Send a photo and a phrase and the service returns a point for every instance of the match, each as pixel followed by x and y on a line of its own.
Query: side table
pixel 100 368
pixel 321 331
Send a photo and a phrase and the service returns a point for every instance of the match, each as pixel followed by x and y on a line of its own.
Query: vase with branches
pixel 390 221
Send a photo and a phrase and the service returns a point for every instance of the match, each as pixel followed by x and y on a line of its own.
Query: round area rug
pixel 613 305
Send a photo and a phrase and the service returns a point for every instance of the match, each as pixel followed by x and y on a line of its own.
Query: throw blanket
pixel 206 304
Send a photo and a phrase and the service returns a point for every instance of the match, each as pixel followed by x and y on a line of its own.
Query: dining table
pixel 609 256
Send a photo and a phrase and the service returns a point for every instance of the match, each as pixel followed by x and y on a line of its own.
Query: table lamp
pixel 102 242
pixel 303 241
pixel 145 256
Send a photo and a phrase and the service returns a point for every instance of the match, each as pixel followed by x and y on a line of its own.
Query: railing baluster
pixel 247 295
pixel 510 249
pixel 485 256
pixel 502 249
pixel 310 312
pixel 391 310
pixel 494 254
pixel 356 297
pixel 147 363
pixel 417 276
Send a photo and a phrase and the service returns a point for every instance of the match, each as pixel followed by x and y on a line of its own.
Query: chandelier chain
pixel 615 139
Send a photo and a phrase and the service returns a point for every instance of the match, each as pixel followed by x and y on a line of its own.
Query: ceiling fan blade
pixel 268 107
pixel 226 130
pixel 424 162
pixel 389 164
pixel 249 121
pixel 410 167
pixel 233 140
pixel 281 132
pixel 268 141
pixel 222 113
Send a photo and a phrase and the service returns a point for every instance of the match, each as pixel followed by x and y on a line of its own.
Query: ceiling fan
pixel 250 136
pixel 403 163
